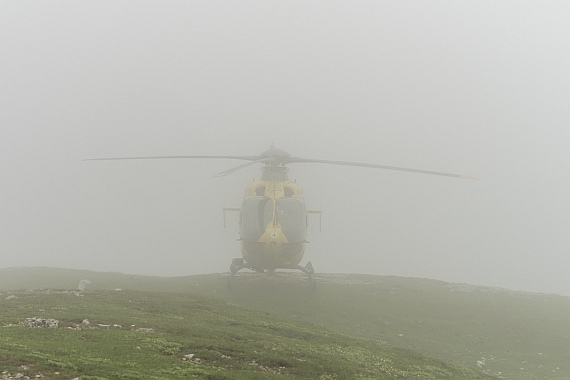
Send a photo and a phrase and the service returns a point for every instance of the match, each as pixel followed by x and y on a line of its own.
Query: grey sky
pixel 478 88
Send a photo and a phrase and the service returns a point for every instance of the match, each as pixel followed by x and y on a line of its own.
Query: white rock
pixel 83 284
pixel 145 330
pixel 40 322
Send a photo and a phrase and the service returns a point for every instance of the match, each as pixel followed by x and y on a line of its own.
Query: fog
pixel 475 88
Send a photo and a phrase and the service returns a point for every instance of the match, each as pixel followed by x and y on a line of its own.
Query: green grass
pixel 454 323
pixel 228 341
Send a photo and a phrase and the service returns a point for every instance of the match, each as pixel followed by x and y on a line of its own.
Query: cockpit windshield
pixel 258 212
pixel 291 215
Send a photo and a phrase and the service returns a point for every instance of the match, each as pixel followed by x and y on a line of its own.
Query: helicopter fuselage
pixel 273 224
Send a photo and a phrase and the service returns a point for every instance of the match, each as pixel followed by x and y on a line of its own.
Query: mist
pixel 474 88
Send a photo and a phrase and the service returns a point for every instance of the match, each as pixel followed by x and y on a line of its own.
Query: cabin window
pixel 260 191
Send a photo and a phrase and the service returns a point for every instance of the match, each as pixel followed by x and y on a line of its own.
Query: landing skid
pixel 239 264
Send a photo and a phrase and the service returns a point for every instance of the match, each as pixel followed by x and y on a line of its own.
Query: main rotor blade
pixel 284 159
pixel 386 167
pixel 235 169
pixel 247 158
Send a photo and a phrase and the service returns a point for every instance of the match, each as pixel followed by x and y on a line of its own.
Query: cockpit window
pixel 291 215
pixel 257 213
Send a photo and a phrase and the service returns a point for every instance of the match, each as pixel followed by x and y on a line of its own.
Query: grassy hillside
pixel 516 335
pixel 511 334
pixel 134 334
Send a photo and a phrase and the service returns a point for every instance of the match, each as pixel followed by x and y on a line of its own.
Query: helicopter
pixel 273 215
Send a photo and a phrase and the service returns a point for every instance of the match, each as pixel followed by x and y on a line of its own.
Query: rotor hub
pixel 274 172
